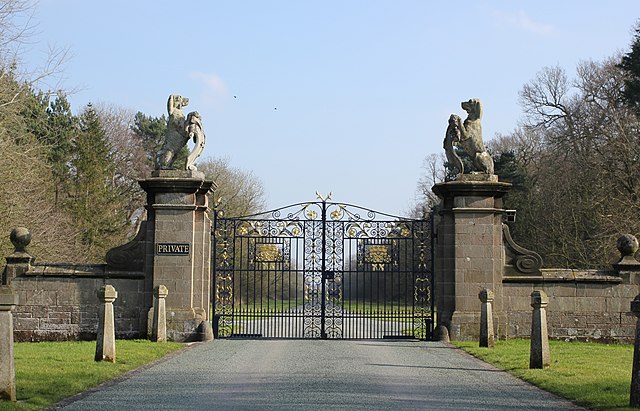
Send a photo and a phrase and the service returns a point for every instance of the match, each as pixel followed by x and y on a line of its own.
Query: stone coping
pixel 79 270
pixel 471 210
pixel 471 188
pixel 177 185
pixel 168 174
pixel 551 275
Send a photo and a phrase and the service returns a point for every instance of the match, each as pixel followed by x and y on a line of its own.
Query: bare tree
pixel 580 147
pixel 239 192
pixel 17 29
pixel 434 166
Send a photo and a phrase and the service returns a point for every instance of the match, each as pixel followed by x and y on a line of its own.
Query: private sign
pixel 173 249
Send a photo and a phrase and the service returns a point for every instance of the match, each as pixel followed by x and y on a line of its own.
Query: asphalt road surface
pixel 319 375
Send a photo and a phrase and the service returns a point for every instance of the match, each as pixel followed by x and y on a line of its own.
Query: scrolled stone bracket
pixel 519 260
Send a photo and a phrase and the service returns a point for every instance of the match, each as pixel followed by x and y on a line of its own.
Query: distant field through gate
pixel 322 270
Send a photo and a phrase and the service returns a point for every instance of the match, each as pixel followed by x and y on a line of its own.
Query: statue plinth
pixel 179 174
pixel 480 177
pixel 178 250
pixel 469 255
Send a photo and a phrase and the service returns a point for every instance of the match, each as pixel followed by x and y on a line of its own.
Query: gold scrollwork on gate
pixel 422 292
pixel 224 292
pixel 268 253
pixel 377 255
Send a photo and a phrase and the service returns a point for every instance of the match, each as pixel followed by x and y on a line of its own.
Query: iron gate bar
pixel 323 268
pixel 393 259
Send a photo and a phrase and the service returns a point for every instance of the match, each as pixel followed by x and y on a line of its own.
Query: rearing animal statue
pixel 179 131
pixel 468 135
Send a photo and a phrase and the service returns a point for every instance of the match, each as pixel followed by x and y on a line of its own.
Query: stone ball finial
pixel 20 238
pixel 627 244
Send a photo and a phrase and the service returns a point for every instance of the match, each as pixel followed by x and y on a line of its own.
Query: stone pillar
pixel 19 261
pixel 469 253
pixel 159 314
pixel 634 397
pixel 8 301
pixel 487 338
pixel 106 339
pixel 179 248
pixel 539 356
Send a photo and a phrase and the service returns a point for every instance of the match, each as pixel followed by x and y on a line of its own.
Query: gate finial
pixel 324 199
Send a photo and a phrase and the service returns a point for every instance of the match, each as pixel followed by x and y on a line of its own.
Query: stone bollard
pixel 539 354
pixel 634 397
pixel 442 333
pixel 487 338
pixel 106 340
pixel 8 301
pixel 159 332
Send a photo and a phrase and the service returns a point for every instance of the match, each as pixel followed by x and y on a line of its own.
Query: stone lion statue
pixel 180 130
pixel 468 135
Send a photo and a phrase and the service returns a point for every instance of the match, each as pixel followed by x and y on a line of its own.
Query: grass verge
pixel 590 374
pixel 48 372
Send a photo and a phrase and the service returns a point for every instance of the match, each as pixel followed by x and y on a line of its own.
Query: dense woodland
pixel 70 174
pixel 574 161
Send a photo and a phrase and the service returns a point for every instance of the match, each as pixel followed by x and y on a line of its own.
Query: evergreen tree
pixel 53 125
pixel 630 64
pixel 95 201
pixel 152 130
pixel 508 169
pixel 61 127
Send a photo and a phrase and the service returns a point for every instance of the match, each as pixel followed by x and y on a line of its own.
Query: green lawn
pixel 590 374
pixel 51 371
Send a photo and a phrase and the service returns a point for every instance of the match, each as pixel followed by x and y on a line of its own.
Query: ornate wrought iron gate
pixel 322 270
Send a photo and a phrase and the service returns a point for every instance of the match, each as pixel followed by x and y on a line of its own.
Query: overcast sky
pixel 345 96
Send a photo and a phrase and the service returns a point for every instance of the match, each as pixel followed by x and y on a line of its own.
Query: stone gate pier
pixel 469 250
pixel 178 249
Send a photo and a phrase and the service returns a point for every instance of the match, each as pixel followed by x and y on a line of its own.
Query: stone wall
pixel 59 302
pixel 583 305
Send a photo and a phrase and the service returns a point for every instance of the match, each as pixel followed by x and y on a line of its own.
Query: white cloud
pixel 212 81
pixel 522 21
pixel 214 91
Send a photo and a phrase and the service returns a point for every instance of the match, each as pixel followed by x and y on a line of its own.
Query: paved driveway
pixel 320 375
